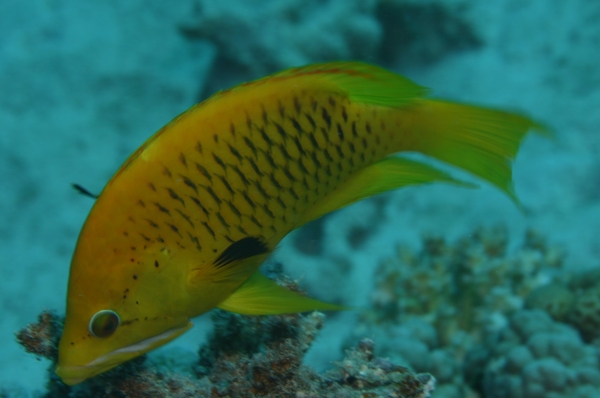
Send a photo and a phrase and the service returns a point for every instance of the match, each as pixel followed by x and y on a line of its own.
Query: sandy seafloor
pixel 83 84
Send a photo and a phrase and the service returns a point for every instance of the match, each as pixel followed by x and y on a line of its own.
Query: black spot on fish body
pixel 189 183
pixel 328 156
pixel 152 223
pixel 199 204
pixel 162 208
pixel 195 241
pixel 233 209
pixel 268 211
pixel 344 114
pixel 141 203
pixel 351 161
pixel 326 117
pixel 209 229
pixel 313 104
pixel 313 156
pixel 216 138
pixel 352 148
pixel 183 160
pixel 248 122
pixel 281 131
pixel 281 109
pixel 311 121
pixel 275 182
pixel 313 141
pixel 212 194
pixel 237 171
pixel 285 152
pixel 156 264
pixel 219 162
pixel 232 129
pixel 174 229
pixel 235 152
pixel 241 250
pixel 306 185
pixel 270 159
pixel 294 194
pixel 297 105
pixel 265 137
pixel 152 187
pixel 185 217
pixel 324 134
pixel 224 181
pixel 302 167
pixel 332 102
pixel 254 166
pixel 340 131
pixel 261 190
pixel 368 127
pixel 203 171
pixel 247 198
pixel 147 239
pixel 255 221
pixel 250 145
pixel 264 115
pixel 296 126
pixel 281 202
pixel 222 220
pixel 354 132
pixel 289 175
pixel 199 147
pixel 167 172
pixel 299 146
pixel 174 195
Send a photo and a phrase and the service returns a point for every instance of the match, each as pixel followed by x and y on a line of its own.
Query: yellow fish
pixel 185 223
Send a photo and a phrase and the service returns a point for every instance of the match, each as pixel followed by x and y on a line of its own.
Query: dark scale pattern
pixel 260 173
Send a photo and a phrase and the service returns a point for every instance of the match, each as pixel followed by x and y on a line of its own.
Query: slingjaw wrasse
pixel 184 224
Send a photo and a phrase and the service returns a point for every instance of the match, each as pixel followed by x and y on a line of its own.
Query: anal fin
pixel 385 175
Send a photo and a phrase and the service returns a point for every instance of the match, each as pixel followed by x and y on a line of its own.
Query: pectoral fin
pixel 260 295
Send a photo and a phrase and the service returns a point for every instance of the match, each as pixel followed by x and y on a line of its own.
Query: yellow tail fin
pixel 479 140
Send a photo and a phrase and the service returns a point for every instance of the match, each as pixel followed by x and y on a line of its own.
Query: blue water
pixel 83 84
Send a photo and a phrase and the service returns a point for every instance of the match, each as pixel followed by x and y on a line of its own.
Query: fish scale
pixel 184 224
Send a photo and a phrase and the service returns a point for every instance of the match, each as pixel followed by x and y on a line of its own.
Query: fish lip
pixel 75 374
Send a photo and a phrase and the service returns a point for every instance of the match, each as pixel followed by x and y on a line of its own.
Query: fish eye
pixel 104 323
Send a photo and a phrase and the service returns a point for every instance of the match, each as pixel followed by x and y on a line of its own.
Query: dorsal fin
pixel 362 82
pixel 359 81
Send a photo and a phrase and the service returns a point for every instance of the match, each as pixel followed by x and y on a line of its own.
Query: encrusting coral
pixel 432 308
pixel 244 357
pixel 536 357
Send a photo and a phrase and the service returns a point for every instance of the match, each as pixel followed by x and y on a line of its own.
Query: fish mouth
pixel 74 374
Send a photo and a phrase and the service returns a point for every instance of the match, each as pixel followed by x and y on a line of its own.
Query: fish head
pixel 118 309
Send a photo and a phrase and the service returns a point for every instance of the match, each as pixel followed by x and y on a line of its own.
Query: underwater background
pixel 492 300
